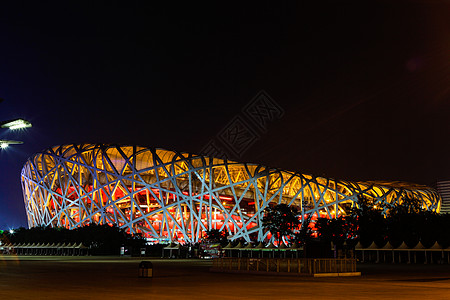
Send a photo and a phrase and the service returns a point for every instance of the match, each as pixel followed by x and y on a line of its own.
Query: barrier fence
pixel 306 266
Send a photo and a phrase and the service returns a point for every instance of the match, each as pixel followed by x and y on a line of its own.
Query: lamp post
pixel 13 124
pixel 5 143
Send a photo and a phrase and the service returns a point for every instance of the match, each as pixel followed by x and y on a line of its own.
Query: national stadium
pixel 177 196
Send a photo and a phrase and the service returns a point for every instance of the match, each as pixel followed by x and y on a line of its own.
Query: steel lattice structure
pixel 178 196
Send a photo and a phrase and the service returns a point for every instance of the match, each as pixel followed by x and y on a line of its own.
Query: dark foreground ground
pixel 116 278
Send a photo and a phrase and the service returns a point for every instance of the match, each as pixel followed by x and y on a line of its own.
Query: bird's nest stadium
pixel 177 196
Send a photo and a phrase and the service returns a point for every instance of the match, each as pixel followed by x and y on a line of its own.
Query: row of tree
pixel 405 222
pixel 100 239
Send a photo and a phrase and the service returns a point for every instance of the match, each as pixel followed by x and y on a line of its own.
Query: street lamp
pixel 5 143
pixel 13 124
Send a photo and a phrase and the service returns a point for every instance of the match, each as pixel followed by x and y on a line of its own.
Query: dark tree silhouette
pixel 305 234
pixel 337 230
pixel 371 222
pixel 408 205
pixel 216 236
pixel 281 220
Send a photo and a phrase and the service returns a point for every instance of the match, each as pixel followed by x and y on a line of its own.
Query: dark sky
pixel 365 86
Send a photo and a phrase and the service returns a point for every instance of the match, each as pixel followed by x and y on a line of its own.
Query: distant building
pixel 443 188
pixel 179 196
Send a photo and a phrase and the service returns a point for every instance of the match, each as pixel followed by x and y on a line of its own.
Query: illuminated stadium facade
pixel 179 196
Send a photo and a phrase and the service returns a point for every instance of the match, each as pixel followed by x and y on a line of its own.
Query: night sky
pixel 365 88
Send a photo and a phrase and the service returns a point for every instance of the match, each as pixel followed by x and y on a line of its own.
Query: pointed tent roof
pixel 388 246
pixel 282 246
pixel 271 246
pixel 294 246
pixel 436 246
pixel 249 246
pixel 172 246
pixel 359 246
pixel 80 246
pixel 419 246
pixel 238 246
pixel 403 246
pixel 372 246
pixel 260 246
pixel 229 246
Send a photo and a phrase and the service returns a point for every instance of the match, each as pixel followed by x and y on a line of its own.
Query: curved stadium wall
pixel 176 196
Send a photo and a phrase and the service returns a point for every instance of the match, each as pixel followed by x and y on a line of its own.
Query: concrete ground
pixel 117 278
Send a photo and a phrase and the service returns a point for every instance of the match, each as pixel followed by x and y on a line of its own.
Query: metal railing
pixel 307 266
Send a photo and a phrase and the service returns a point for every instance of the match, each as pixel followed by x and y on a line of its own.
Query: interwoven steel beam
pixel 178 196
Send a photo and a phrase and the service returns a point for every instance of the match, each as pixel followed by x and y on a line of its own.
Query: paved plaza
pixel 117 278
